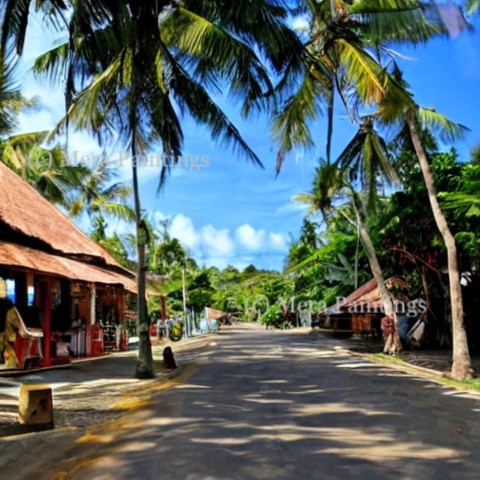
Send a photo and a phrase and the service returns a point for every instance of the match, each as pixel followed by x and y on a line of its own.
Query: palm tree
pixel 130 68
pixel 347 51
pixel 461 366
pixel 353 178
pixel 45 169
pixel 413 121
pixel 99 196
pixel 366 161
pixel 340 63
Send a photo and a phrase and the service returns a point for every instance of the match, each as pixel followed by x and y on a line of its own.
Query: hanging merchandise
pixel 175 331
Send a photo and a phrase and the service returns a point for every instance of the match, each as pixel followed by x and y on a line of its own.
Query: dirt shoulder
pixel 438 361
pixel 86 396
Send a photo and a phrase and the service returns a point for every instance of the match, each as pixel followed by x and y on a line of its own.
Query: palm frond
pixel 200 105
pixel 290 126
pixel 85 111
pixel 12 102
pixel 447 130
pixel 307 199
pixel 394 20
pixel 397 100
pixel 473 6
pixel 257 22
pixel 14 21
pixel 113 209
pixel 362 71
pixel 366 159
pixel 312 259
pixel 400 27
pixel 208 49
pixel 363 7
pixel 53 63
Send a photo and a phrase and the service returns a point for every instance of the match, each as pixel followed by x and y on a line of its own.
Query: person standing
pixel 387 325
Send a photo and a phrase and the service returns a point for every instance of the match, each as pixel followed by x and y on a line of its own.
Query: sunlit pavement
pixel 281 405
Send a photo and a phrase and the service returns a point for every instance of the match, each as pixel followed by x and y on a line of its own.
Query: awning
pixel 213 314
pixel 37 261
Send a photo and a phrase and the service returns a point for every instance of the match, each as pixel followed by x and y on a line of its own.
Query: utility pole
pixel 184 294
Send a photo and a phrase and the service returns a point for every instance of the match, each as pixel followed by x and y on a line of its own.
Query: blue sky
pixel 231 212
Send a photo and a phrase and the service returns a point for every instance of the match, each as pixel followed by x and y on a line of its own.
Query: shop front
pixel 62 294
pixel 60 318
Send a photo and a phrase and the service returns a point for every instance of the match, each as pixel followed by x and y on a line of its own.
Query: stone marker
pixel 35 406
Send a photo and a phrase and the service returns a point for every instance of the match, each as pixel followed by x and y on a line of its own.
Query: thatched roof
pixel 213 314
pixel 369 293
pixel 28 218
pixel 27 259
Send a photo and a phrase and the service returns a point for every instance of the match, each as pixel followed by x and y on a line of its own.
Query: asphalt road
pixel 277 405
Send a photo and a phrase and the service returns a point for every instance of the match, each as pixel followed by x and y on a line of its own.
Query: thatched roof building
pixel 35 235
pixel 368 295
pixel 361 310
pixel 71 293
pixel 30 260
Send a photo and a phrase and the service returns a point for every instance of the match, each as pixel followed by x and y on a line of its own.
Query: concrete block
pixel 35 405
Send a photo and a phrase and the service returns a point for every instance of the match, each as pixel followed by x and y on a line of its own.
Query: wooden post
pixel 45 304
pixel 163 302
pixel 120 296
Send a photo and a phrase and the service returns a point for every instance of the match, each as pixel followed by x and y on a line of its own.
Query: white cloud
pixel 217 242
pixel 250 238
pixel 220 246
pixel 182 228
pixel 278 241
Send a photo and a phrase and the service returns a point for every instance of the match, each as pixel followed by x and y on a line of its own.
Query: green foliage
pixel 12 102
pixel 45 169
pixel 116 247
pixel 465 199
pixel 473 6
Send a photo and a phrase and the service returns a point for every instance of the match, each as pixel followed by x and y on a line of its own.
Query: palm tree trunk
pixel 357 252
pixel 144 367
pixel 386 296
pixel 461 366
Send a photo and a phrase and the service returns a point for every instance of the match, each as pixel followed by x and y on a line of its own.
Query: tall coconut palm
pixel 461 366
pixel 347 53
pixel 412 120
pixel 354 176
pixel 341 64
pixel 366 162
pixel 131 67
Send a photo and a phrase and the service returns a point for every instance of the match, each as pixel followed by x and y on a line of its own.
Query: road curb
pixel 406 367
